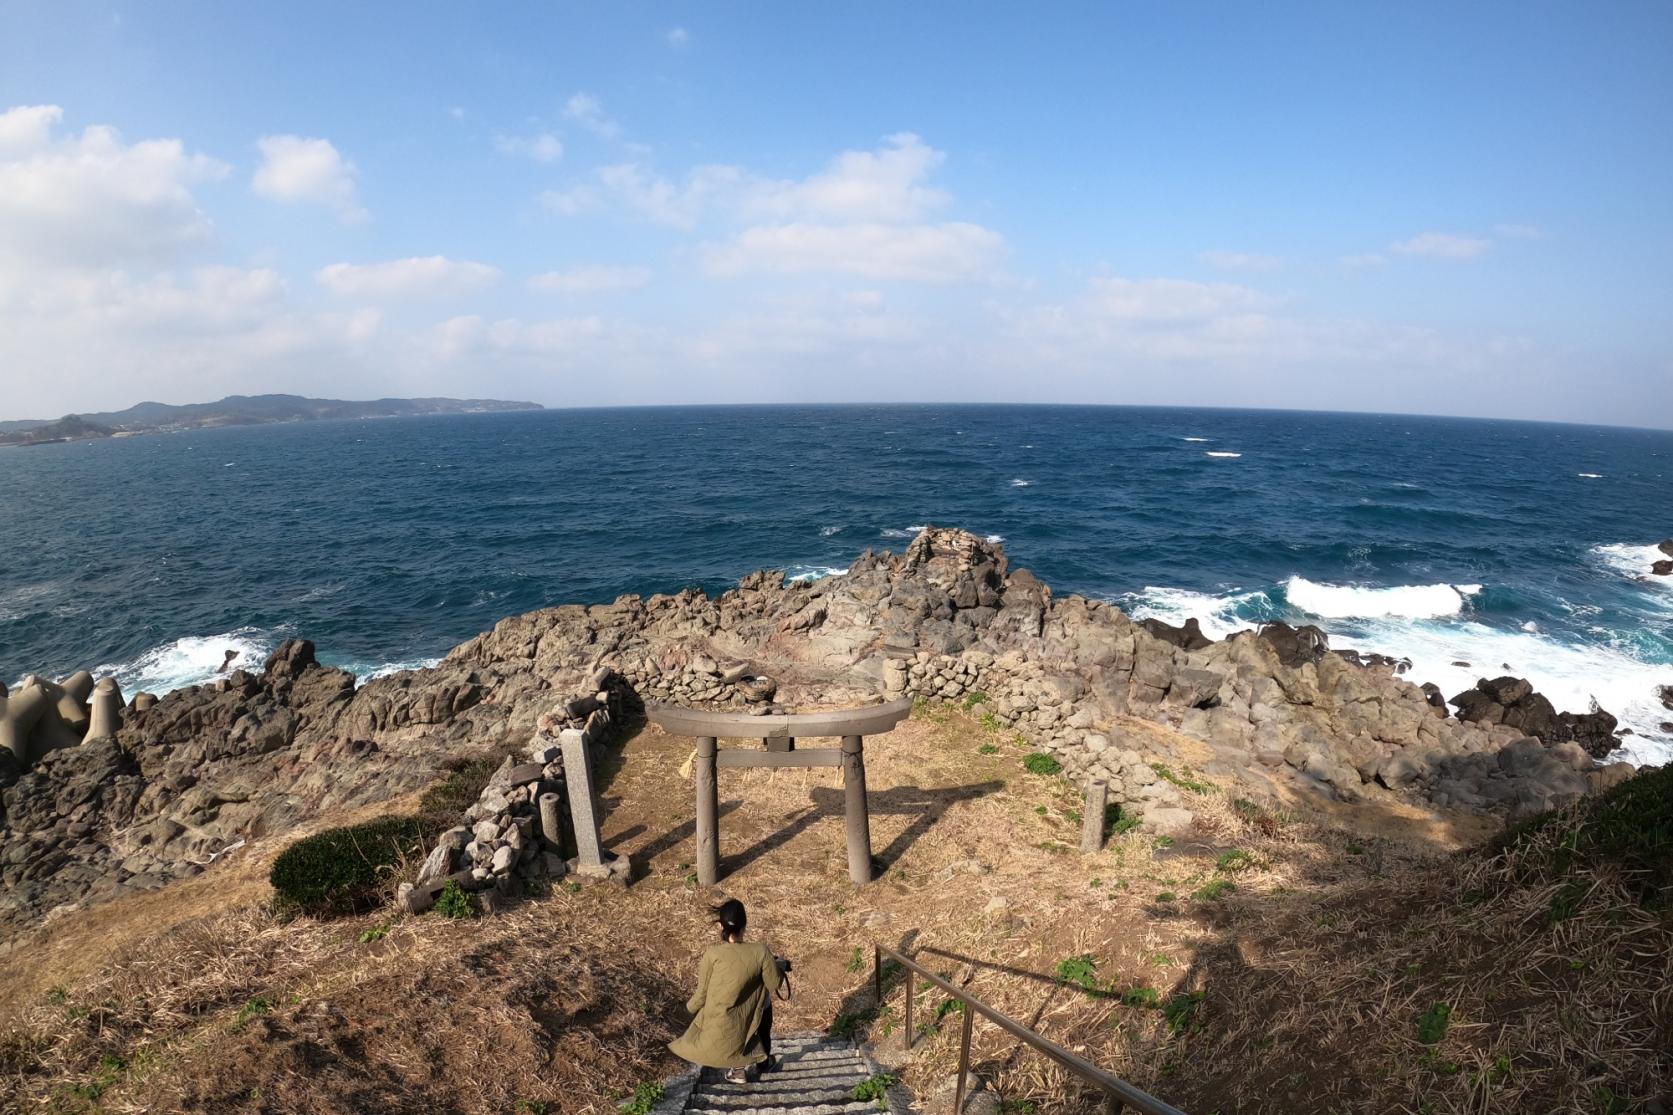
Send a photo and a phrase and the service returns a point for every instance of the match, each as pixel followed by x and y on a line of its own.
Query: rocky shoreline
pixel 1273 715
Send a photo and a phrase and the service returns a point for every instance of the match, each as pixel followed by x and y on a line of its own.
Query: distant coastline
pixel 234 410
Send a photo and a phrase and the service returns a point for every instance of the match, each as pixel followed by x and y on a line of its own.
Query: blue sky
pixel 1430 208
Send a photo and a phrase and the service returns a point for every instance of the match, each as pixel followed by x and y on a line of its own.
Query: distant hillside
pixel 236 410
pixel 71 427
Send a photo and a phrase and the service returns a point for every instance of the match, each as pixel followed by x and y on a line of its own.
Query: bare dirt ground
pixel 1273 962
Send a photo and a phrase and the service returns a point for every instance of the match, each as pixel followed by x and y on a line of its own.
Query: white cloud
pixel 27 127
pixel 940 253
pixel 93 200
pixel 568 203
pixel 678 205
pixel 1519 232
pixel 1363 261
pixel 679 38
pixel 1442 245
pixel 1241 261
pixel 588 111
pixel 542 147
pixel 301 169
pixel 882 185
pixel 590 279
pixel 1170 300
pixel 417 277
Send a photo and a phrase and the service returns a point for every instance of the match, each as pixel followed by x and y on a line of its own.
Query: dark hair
pixel 730 914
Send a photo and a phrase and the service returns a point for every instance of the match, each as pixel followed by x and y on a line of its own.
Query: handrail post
pixel 963 1060
pixel 708 813
pixel 909 1010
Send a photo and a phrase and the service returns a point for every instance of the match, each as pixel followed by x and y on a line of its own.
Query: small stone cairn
pixel 515 835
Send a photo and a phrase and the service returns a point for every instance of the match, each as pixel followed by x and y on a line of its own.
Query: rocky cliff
pixel 1277 714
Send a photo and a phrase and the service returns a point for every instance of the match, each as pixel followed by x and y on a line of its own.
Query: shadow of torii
pixel 926 806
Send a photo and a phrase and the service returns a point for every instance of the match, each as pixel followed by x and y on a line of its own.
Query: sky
pixel 1420 208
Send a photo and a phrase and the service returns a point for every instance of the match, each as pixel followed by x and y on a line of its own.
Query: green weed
pixel 1039 762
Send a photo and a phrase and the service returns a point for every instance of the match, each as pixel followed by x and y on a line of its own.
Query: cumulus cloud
pixel 1442 245
pixel 590 279
pixel 298 169
pixel 542 147
pixel 93 199
pixel 940 253
pixel 886 184
pixel 417 277
pixel 588 111
pixel 1241 261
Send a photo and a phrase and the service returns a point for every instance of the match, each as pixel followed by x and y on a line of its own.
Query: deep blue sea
pixel 1514 547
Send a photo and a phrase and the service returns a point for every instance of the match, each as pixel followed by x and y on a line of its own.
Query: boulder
pixel 1296 646
pixel 1186 637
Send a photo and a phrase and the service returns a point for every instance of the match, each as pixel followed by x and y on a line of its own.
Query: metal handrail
pixel 1118 1092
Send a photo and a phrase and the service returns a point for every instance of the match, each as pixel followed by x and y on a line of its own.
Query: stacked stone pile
pixel 514 834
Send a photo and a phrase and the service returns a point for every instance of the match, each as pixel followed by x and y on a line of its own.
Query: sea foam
pixel 1353 601
pixel 1221 453
pixel 191 660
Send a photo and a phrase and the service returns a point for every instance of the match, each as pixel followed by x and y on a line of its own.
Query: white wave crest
pixel 1197 439
pixel 365 672
pixel 814 572
pixel 1216 615
pixel 1633 560
pixel 828 531
pixel 192 660
pixel 909 532
pixel 1590 475
pixel 996 539
pixel 1213 453
pixel 1352 601
pixel 1021 483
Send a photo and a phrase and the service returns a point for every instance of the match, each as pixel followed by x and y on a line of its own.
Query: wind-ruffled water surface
pixel 1512 547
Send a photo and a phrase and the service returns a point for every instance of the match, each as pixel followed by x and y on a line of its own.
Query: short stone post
pixel 106 716
pixel 1092 820
pixel 583 810
pixel 859 820
pixel 708 813
pixel 551 825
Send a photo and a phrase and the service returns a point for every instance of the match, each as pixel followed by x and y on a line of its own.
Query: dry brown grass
pixel 1312 972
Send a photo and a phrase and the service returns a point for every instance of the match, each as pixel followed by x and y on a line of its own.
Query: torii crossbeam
pixel 780 733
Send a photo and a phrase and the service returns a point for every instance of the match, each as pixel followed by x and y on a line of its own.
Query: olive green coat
pixel 735 984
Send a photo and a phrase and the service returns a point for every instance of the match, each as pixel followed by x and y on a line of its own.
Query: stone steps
pixel 816 1075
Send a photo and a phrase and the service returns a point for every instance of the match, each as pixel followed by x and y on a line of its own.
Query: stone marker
pixel 551 826
pixel 1092 819
pixel 583 808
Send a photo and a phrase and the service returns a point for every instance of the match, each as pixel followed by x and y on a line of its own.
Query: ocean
pixel 1474 548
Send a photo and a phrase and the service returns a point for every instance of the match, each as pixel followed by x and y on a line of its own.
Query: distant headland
pixel 234 410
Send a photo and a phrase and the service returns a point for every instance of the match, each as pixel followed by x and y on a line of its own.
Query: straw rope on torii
pixel 780 732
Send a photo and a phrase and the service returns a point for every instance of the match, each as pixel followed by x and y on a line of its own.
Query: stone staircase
pixel 817 1075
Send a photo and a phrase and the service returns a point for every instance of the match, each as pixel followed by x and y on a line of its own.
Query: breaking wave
pixel 1352 601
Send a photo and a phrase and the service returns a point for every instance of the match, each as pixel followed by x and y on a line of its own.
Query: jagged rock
pixel 1188 636
pixel 1296 646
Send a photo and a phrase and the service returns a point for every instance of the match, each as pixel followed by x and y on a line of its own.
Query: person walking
pixel 732 1011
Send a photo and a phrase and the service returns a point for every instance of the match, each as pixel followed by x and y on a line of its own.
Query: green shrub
pixel 1141 997
pixel 988 749
pixel 1630 825
pixel 973 698
pixel 1039 762
pixel 1213 892
pixel 1185 780
pixel 875 1090
pixel 340 870
pixel 453 902
pixel 1432 1025
pixel 646 1095
pixel 1082 971
pixel 1181 1009
pixel 1233 859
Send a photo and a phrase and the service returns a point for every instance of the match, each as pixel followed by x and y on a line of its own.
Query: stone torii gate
pixel 780 733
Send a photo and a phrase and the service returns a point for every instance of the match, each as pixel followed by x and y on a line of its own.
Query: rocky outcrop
pixel 1264 713
pixel 1513 702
